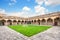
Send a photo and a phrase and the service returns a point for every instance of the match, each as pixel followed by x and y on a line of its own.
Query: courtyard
pixel 29 19
pixel 7 33
pixel 29 29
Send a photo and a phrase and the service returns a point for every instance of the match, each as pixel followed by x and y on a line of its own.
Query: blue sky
pixel 29 8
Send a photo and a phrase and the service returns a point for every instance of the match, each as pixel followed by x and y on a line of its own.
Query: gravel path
pixel 8 34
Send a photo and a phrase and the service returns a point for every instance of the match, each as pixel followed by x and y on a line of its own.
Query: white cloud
pixel 2 10
pixel 26 8
pixel 24 13
pixel 52 2
pixel 21 14
pixel 40 10
pixel 40 2
pixel 48 2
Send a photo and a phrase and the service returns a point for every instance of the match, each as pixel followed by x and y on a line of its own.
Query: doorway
pixel 1 23
pixel 55 23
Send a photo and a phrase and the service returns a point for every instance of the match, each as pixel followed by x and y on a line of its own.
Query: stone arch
pixel 38 21
pixel 22 22
pixel 50 21
pixel 9 22
pixel 14 22
pixel 34 21
pixel 57 21
pixel 2 22
pixel 43 21
pixel 31 20
pixel 18 22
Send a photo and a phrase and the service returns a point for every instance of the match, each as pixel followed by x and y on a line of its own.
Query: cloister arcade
pixel 52 20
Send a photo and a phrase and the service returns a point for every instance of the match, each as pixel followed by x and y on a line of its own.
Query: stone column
pixel 46 22
pixel 53 22
pixel 6 23
pixel 12 22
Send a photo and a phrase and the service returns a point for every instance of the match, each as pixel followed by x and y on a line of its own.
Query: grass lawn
pixel 29 30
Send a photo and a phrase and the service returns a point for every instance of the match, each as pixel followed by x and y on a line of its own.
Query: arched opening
pixel 28 22
pixel 9 22
pixel 2 22
pixel 34 21
pixel 18 22
pixel 38 21
pixel 43 22
pixel 49 21
pixel 57 21
pixel 22 22
pixel 14 22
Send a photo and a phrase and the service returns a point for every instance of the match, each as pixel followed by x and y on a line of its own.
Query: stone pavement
pixel 51 34
pixel 8 34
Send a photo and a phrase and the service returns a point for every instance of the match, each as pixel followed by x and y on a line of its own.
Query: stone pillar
pixel 6 23
pixel 53 22
pixel 12 22
pixel 46 22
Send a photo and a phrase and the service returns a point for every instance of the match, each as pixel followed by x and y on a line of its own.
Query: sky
pixel 29 8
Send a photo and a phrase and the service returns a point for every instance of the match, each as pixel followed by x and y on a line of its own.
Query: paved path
pixel 51 34
pixel 9 34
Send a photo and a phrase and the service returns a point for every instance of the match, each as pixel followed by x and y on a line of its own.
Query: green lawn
pixel 29 30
